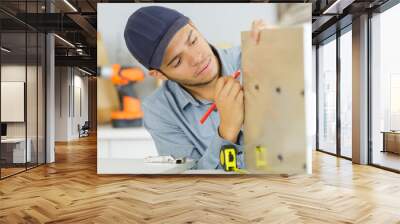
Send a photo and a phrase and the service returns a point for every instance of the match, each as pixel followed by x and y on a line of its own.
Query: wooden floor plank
pixel 70 191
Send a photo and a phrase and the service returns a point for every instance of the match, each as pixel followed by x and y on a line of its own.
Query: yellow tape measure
pixel 228 158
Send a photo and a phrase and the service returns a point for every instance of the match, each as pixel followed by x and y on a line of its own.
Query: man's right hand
pixel 229 100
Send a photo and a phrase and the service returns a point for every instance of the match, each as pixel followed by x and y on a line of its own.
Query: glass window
pixel 346 94
pixel 385 86
pixel 327 97
pixel 22 91
pixel 14 153
pixel 31 96
pixel 395 101
pixel 41 98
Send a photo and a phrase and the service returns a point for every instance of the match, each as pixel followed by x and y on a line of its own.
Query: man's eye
pixel 178 63
pixel 194 41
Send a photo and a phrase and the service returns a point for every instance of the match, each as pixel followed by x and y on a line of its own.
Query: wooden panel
pixel 274 101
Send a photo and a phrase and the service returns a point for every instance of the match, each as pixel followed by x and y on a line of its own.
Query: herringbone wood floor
pixel 70 191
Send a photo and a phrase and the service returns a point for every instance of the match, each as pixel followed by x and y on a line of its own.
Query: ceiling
pixel 77 23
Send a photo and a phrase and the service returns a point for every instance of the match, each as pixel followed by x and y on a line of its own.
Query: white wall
pixel 70 83
pixel 14 73
pixel 17 73
pixel 61 103
pixel 220 24
pixel 81 84
pixel 12 101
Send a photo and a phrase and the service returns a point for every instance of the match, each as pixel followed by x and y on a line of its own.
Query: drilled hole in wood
pixel 280 157
pixel 302 93
pixel 278 89
pixel 256 87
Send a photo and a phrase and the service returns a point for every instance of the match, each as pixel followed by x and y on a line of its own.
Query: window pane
pixel 327 97
pixel 31 97
pixel 395 101
pixel 41 98
pixel 386 89
pixel 22 76
pixel 14 153
pixel 346 94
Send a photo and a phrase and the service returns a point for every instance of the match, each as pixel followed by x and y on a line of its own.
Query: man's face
pixel 189 60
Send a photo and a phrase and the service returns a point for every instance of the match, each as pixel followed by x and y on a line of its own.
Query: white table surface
pixel 138 166
pixel 13 140
pixel 108 132
pixel 112 165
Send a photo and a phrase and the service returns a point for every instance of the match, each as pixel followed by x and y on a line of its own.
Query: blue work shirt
pixel 172 116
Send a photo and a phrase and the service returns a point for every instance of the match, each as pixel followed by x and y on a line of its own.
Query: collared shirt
pixel 172 116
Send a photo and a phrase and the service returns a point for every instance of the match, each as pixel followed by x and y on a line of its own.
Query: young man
pixel 197 74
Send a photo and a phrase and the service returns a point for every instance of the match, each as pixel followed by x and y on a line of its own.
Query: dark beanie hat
pixel 149 31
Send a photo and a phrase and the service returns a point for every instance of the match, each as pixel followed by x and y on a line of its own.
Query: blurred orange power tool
pixel 130 113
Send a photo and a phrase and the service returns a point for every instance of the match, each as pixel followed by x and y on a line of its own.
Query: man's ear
pixel 157 74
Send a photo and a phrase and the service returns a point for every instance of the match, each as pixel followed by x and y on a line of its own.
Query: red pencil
pixel 213 106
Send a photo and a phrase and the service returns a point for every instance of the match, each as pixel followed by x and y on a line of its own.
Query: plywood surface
pixel 274 101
